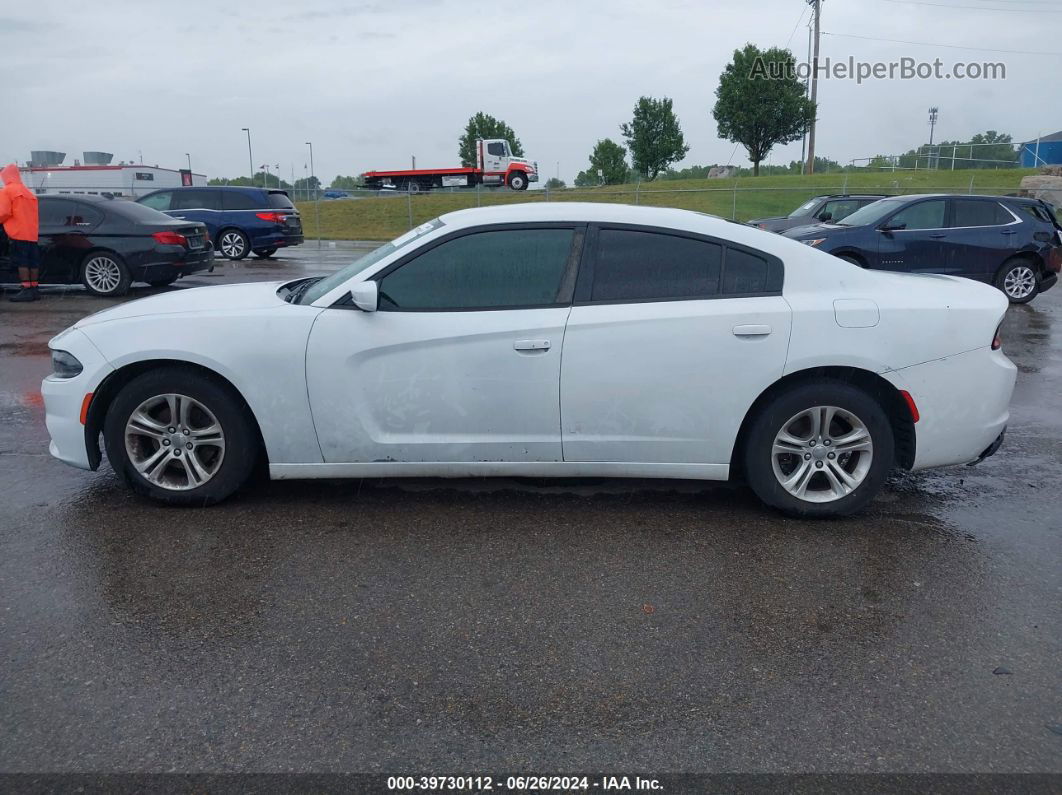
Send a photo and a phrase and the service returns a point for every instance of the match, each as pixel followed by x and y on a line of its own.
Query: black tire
pixel 518 180
pixel 233 244
pixel 105 273
pixel 163 282
pixel 241 445
pixel 264 253
pixel 1014 278
pixel 776 414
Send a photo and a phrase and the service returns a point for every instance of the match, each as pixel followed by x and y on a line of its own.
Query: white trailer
pixel 128 181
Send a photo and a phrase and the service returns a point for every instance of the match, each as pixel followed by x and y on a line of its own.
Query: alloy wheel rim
pixel 174 442
pixel 1019 282
pixel 103 274
pixel 232 244
pixel 822 454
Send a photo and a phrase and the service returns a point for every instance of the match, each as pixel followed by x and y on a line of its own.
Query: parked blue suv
pixel 239 220
pixel 1013 243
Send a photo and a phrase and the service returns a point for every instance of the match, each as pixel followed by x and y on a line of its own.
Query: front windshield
pixel 329 283
pixel 804 209
pixel 872 213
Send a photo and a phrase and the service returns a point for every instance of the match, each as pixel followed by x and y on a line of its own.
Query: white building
pixel 128 181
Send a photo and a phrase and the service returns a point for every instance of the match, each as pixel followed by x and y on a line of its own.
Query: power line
pixel 980 8
pixel 797 25
pixel 946 46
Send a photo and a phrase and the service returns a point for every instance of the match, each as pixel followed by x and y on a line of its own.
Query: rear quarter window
pixel 238 200
pixel 280 201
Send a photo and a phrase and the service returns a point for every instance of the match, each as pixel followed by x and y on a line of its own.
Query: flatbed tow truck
pixel 495 166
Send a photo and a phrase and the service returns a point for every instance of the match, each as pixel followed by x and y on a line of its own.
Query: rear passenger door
pixel 197 204
pixel 670 339
pixel 982 236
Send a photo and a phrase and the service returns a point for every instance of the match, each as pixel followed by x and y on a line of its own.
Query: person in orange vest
pixel 18 213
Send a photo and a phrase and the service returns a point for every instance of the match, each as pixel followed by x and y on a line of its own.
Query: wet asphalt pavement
pixel 439 627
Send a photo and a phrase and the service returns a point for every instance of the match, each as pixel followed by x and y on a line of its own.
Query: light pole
pixel 265 170
pixel 250 157
pixel 316 197
pixel 189 160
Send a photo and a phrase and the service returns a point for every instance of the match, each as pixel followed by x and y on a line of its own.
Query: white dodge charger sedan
pixel 546 339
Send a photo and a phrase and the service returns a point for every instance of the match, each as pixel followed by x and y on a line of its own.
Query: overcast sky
pixel 371 83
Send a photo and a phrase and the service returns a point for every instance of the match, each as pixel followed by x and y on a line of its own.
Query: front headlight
pixel 65 365
pixel 813 243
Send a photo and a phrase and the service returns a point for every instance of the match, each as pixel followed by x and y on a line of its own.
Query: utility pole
pixel 186 154
pixel 807 88
pixel 817 11
pixel 316 197
pixel 932 126
pixel 250 157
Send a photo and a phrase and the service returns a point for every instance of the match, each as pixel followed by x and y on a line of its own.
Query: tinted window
pixel 55 212
pixel 138 213
pixel 279 201
pixel 744 273
pixel 510 268
pixel 195 199
pixel 923 215
pixel 1034 211
pixel 238 200
pixel 839 208
pixel 495 148
pixel 646 266
pixel 157 201
pixel 971 212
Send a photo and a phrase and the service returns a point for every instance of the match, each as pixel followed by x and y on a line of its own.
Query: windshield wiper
pixel 296 293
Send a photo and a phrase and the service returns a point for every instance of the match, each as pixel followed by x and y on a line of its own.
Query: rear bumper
pixel 953 428
pixel 991 449
pixel 279 239
pixel 175 261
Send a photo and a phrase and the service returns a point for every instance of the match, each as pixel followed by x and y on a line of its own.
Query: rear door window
pixel 195 199
pixel 238 200
pixel 971 212
pixel 633 265
pixel 158 201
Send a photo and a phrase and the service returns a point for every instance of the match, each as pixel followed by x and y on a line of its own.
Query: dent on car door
pixel 462 361
pixel 914 238
pixel 670 340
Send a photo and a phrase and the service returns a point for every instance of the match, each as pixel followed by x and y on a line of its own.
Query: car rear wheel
pixel 1017 279
pixel 234 244
pixel 180 437
pixel 105 273
pixel 265 253
pixel 819 449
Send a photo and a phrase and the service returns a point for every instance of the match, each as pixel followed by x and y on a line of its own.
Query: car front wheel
pixel 180 437
pixel 1017 279
pixel 819 449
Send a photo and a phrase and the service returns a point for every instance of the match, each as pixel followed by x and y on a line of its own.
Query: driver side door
pixel 920 245
pixel 461 362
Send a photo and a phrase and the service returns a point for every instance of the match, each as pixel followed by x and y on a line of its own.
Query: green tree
pixel 608 163
pixel 347 183
pixel 760 103
pixel 261 180
pixel 482 125
pixel 553 183
pixel 654 137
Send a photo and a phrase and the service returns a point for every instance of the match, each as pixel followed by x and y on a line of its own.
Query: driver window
pixel 924 215
pixel 157 201
pixel 496 148
pixel 483 270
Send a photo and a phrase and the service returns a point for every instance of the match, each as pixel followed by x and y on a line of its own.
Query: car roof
pixel 853 196
pixel 609 213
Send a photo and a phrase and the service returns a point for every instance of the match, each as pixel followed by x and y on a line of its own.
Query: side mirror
pixel 366 296
pixel 825 215
pixel 891 227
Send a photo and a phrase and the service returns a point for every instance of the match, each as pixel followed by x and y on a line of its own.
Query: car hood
pixel 229 298
pixel 755 221
pixel 815 230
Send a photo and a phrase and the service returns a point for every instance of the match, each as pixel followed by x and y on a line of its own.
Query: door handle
pixel 531 345
pixel 178 217
pixel 938 235
pixel 751 331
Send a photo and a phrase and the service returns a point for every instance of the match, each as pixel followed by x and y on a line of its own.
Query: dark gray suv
pixel 818 210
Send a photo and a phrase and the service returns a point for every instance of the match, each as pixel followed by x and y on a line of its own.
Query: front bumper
pixel 65 399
